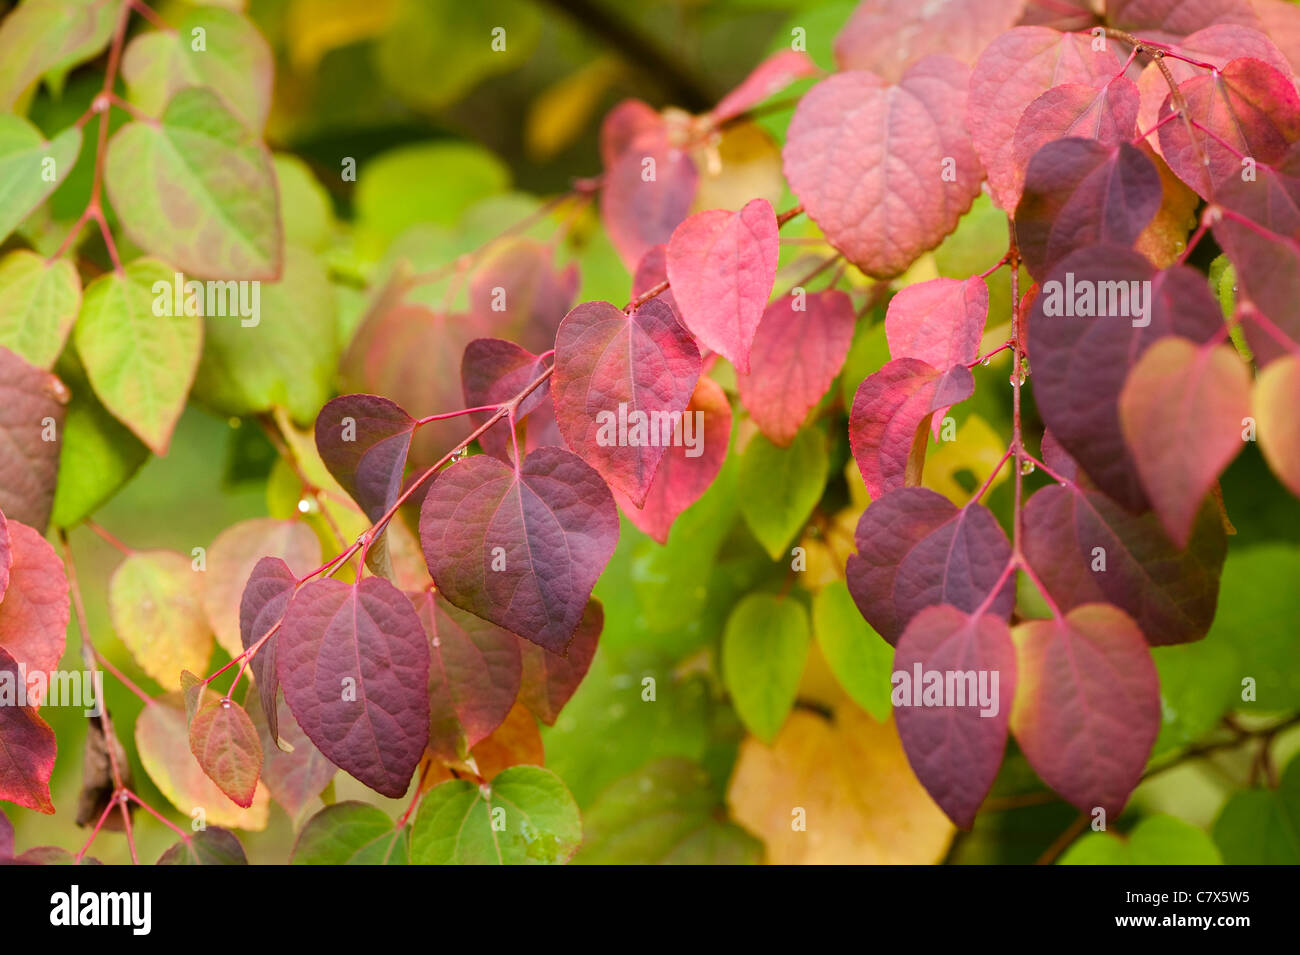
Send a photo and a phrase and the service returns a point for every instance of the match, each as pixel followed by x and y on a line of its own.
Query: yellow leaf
pixel 562 111
pixel 743 164
pixel 314 27
pixel 859 799
pixel 976 449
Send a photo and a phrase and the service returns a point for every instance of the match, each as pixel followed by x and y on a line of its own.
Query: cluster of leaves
pixel 425 593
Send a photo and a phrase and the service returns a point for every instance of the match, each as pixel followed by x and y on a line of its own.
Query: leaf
pixel 1267 280
pixel 622 125
pixel 890 413
pixel 552 526
pixel 779 487
pixel 6 555
pixel 885 171
pixel 211 846
pixel 163 743
pixel 860 659
pixel 354 665
pixel 1087 549
pixel 31 166
pixel 794 358
pixel 1156 840
pixel 349 833
pixel 940 321
pixel 620 386
pixel 45 36
pixel 916 549
pixel 1012 72
pixel 492 372
pixel 955 743
pixel 234 62
pixel 474 675
pixel 1274 400
pixel 197 189
pixel 1075 355
pixel 224 741
pixel 364 441
pixel 39 301
pixel 550 680
pixel 763 651
pixel 27 748
pixel 886 38
pixel 6 838
pixel 520 294
pixel 278 348
pixel 232 558
pixel 1260 826
pixel 269 587
pixel 305 207
pixel 687 470
pixel 1169 19
pixel 294 779
pixel 1182 410
pixel 1087 708
pixel 32 404
pixel 155 600
pixel 1080 192
pixel 525 817
pixel 516 742
pixel 768 78
pixel 140 363
pixel 34 609
pixel 648 190
pixel 663 814
pixel 861 803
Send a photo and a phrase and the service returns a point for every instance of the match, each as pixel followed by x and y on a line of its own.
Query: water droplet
pixel 304 506
pixel 225 704
pixel 1065 484
pixel 437 643
pixel 986 361
pixel 1026 466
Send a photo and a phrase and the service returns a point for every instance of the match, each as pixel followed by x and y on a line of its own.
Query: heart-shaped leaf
pixel 32 407
pixel 39 301
pixel 211 846
pixel 31 167
pixel 155 599
pixel 364 441
pixel 763 650
pixel 939 321
pixel 648 190
pixel 349 833
pixel 779 487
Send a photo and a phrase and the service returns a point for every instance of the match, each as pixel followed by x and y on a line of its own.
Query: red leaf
pixel 916 549
pixel 1087 709
pixel 474 674
pixel 870 162
pixel 224 741
pixel 493 371
pixel 32 406
pixel 890 411
pixel 887 36
pixel 1075 356
pixel 1107 114
pixel 683 474
pixel 771 76
pixel 955 750
pixel 266 596
pixel 1171 593
pixel 1080 192
pixel 722 266
pixel 648 190
pixel 1182 410
pixel 940 321
pixel 795 357
pixel 27 747
pixel 613 371
pixel 354 664
pixel 34 612
pixel 523 548
pixel 1013 71
pixel 622 125
pixel 549 680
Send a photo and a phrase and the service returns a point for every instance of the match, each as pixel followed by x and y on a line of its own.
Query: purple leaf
pixel 364 440
pixel 266 597
pixel 32 406
pixel 550 680
pixel 492 372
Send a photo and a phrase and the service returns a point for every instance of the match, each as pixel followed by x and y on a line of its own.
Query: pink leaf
pixel 622 125
pixel 620 386
pixel 887 36
pixel 771 76
pixel 885 171
pixel 27 748
pixel 795 357
pixel 518 292
pixel 34 612
pixel 940 321
pixel 354 664
pixel 1087 706
pixel 722 266
pixel 956 748
pixel 648 190
pixel 523 548
pixel 1170 20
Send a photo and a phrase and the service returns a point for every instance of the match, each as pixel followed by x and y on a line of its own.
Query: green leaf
pixel 525 817
pixel 349 833
pixel 304 204
pixel 198 189
pixel 763 652
pixel 1156 840
pixel 288 358
pixel 31 167
pixel 50 36
pixel 229 56
pixel 38 304
pixel 780 486
pixel 664 813
pixel 858 656
pixel 99 453
pixel 1262 826
pixel 140 363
